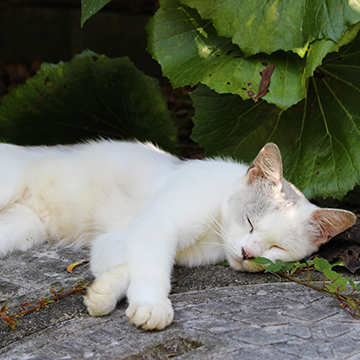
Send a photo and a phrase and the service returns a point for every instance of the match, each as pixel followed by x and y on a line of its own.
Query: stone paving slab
pixel 247 322
pixel 237 316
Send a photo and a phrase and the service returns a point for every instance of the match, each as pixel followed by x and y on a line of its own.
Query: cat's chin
pixel 246 265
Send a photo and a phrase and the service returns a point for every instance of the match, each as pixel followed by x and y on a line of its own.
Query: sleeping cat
pixel 142 210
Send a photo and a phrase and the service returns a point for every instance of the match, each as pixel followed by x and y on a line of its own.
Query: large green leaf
pixel 227 125
pixel 90 96
pixel 320 48
pixel 190 52
pixel 319 137
pixel 90 8
pixel 265 26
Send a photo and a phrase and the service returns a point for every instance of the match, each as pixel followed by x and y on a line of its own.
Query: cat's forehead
pixel 260 197
pixel 291 192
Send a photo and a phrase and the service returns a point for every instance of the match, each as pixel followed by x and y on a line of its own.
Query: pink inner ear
pixel 331 222
pixel 267 165
pixel 253 173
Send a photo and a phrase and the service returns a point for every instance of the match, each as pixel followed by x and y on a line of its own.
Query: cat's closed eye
pixel 251 225
pixel 276 247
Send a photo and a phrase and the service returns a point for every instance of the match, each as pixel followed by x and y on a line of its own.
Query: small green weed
pixel 12 320
pixel 333 282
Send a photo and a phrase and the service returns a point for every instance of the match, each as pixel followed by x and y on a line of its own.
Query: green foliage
pixel 279 266
pixel 225 45
pixel 88 97
pixel 319 137
pixel 192 49
pixel 335 285
pixel 90 8
pixel 262 261
pixel 225 263
pixel 311 109
pixel 190 52
pixel 267 26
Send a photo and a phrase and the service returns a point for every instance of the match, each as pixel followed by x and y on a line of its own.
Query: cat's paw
pixel 150 317
pixel 107 289
pixel 100 298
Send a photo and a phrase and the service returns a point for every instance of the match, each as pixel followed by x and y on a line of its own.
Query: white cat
pixel 142 209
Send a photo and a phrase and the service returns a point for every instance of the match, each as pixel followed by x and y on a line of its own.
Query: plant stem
pixel 9 319
pixel 343 299
pixel 345 305
pixel 304 283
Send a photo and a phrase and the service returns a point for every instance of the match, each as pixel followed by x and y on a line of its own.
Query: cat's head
pixel 267 216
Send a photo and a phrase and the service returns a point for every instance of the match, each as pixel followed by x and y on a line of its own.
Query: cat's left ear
pixel 331 222
pixel 268 165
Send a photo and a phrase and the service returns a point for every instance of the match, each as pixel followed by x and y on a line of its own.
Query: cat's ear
pixel 330 222
pixel 268 164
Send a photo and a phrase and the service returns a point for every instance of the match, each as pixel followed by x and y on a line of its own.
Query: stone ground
pixel 219 314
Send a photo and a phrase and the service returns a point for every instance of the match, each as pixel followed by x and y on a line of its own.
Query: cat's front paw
pixel 107 289
pixel 150 317
pixel 100 299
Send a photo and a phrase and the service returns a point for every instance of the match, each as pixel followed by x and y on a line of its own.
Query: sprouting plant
pixel 12 320
pixel 333 282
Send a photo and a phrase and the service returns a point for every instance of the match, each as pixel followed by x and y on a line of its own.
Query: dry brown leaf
pixel 71 266
pixel 265 82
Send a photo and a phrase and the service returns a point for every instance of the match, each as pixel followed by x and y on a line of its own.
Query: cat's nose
pixel 246 254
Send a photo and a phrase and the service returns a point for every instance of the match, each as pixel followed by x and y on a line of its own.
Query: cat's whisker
pixel 218 229
pixel 217 244
pixel 213 219
pixel 220 232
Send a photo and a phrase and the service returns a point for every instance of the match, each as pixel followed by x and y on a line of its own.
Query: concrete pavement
pixel 219 314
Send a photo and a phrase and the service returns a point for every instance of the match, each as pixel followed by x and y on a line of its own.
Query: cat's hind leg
pixel 112 275
pixel 20 229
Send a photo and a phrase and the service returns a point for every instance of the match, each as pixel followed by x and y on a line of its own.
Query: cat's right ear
pixel 268 165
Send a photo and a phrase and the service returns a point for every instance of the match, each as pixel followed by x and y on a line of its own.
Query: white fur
pixel 142 209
